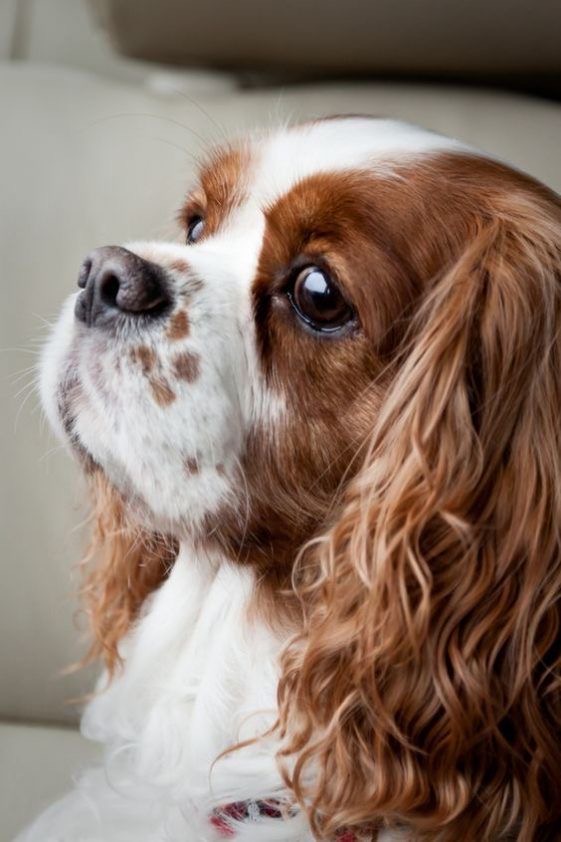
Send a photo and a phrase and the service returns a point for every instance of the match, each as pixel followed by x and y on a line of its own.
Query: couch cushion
pixel 435 36
pixel 37 766
pixel 87 162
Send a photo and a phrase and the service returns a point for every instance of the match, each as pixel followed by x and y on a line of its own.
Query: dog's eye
pixel 318 300
pixel 195 229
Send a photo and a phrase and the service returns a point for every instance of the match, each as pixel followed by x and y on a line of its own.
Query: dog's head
pixel 353 355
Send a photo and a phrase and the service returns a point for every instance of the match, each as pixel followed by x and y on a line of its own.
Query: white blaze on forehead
pixel 285 157
pixel 279 159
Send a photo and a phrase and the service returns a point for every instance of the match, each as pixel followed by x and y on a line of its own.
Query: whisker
pixel 31 383
pixel 19 375
pixel 50 451
pixel 32 389
pixel 196 104
pixel 182 149
pixel 162 117
pixel 43 320
pixel 16 350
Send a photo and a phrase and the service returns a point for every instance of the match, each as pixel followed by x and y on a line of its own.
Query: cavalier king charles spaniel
pixel 323 433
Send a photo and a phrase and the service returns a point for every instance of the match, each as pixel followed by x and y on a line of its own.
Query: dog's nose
pixel 116 281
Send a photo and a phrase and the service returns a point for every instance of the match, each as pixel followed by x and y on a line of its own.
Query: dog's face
pixel 225 384
pixel 229 379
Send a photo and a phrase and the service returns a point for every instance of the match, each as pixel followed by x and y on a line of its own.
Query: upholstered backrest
pixel 437 37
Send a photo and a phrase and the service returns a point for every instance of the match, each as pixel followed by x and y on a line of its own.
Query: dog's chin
pixel 137 513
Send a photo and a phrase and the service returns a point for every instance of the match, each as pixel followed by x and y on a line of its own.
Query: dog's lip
pixel 67 416
pixel 65 412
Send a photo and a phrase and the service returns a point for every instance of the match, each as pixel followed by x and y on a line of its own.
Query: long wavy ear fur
pixel 124 564
pixel 425 689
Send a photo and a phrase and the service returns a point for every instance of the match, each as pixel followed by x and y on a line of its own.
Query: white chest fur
pixel 199 677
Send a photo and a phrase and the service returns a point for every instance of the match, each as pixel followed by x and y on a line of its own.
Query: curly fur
pixel 124 564
pixel 425 687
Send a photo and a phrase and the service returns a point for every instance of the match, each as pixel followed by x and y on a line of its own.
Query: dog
pixel 323 437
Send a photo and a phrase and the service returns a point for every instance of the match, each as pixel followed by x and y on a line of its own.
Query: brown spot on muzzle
pixel 191 465
pixel 143 356
pixel 179 326
pixel 186 366
pixel 179 265
pixel 161 390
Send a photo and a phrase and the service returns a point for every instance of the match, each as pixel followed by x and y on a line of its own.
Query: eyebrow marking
pixel 187 366
pixel 179 326
pixel 223 186
pixel 224 177
pixel 163 394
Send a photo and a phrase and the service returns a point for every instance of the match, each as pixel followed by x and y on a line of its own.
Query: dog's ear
pixel 426 686
pixel 124 564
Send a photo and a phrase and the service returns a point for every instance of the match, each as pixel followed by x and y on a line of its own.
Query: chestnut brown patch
pixel 161 390
pixel 179 326
pixel 144 356
pixel 186 366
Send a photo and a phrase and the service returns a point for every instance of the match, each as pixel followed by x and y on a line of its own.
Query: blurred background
pixel 105 108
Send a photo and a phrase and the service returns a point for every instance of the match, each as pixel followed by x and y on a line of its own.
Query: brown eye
pixel 318 301
pixel 195 229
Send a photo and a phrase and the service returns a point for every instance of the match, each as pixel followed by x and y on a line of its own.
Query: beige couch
pixel 97 149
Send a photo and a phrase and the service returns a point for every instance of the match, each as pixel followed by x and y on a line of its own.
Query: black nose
pixel 116 281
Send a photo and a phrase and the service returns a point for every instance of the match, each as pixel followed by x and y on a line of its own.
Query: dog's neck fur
pixel 199 676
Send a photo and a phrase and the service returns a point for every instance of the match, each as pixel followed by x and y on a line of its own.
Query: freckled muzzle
pixel 115 281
